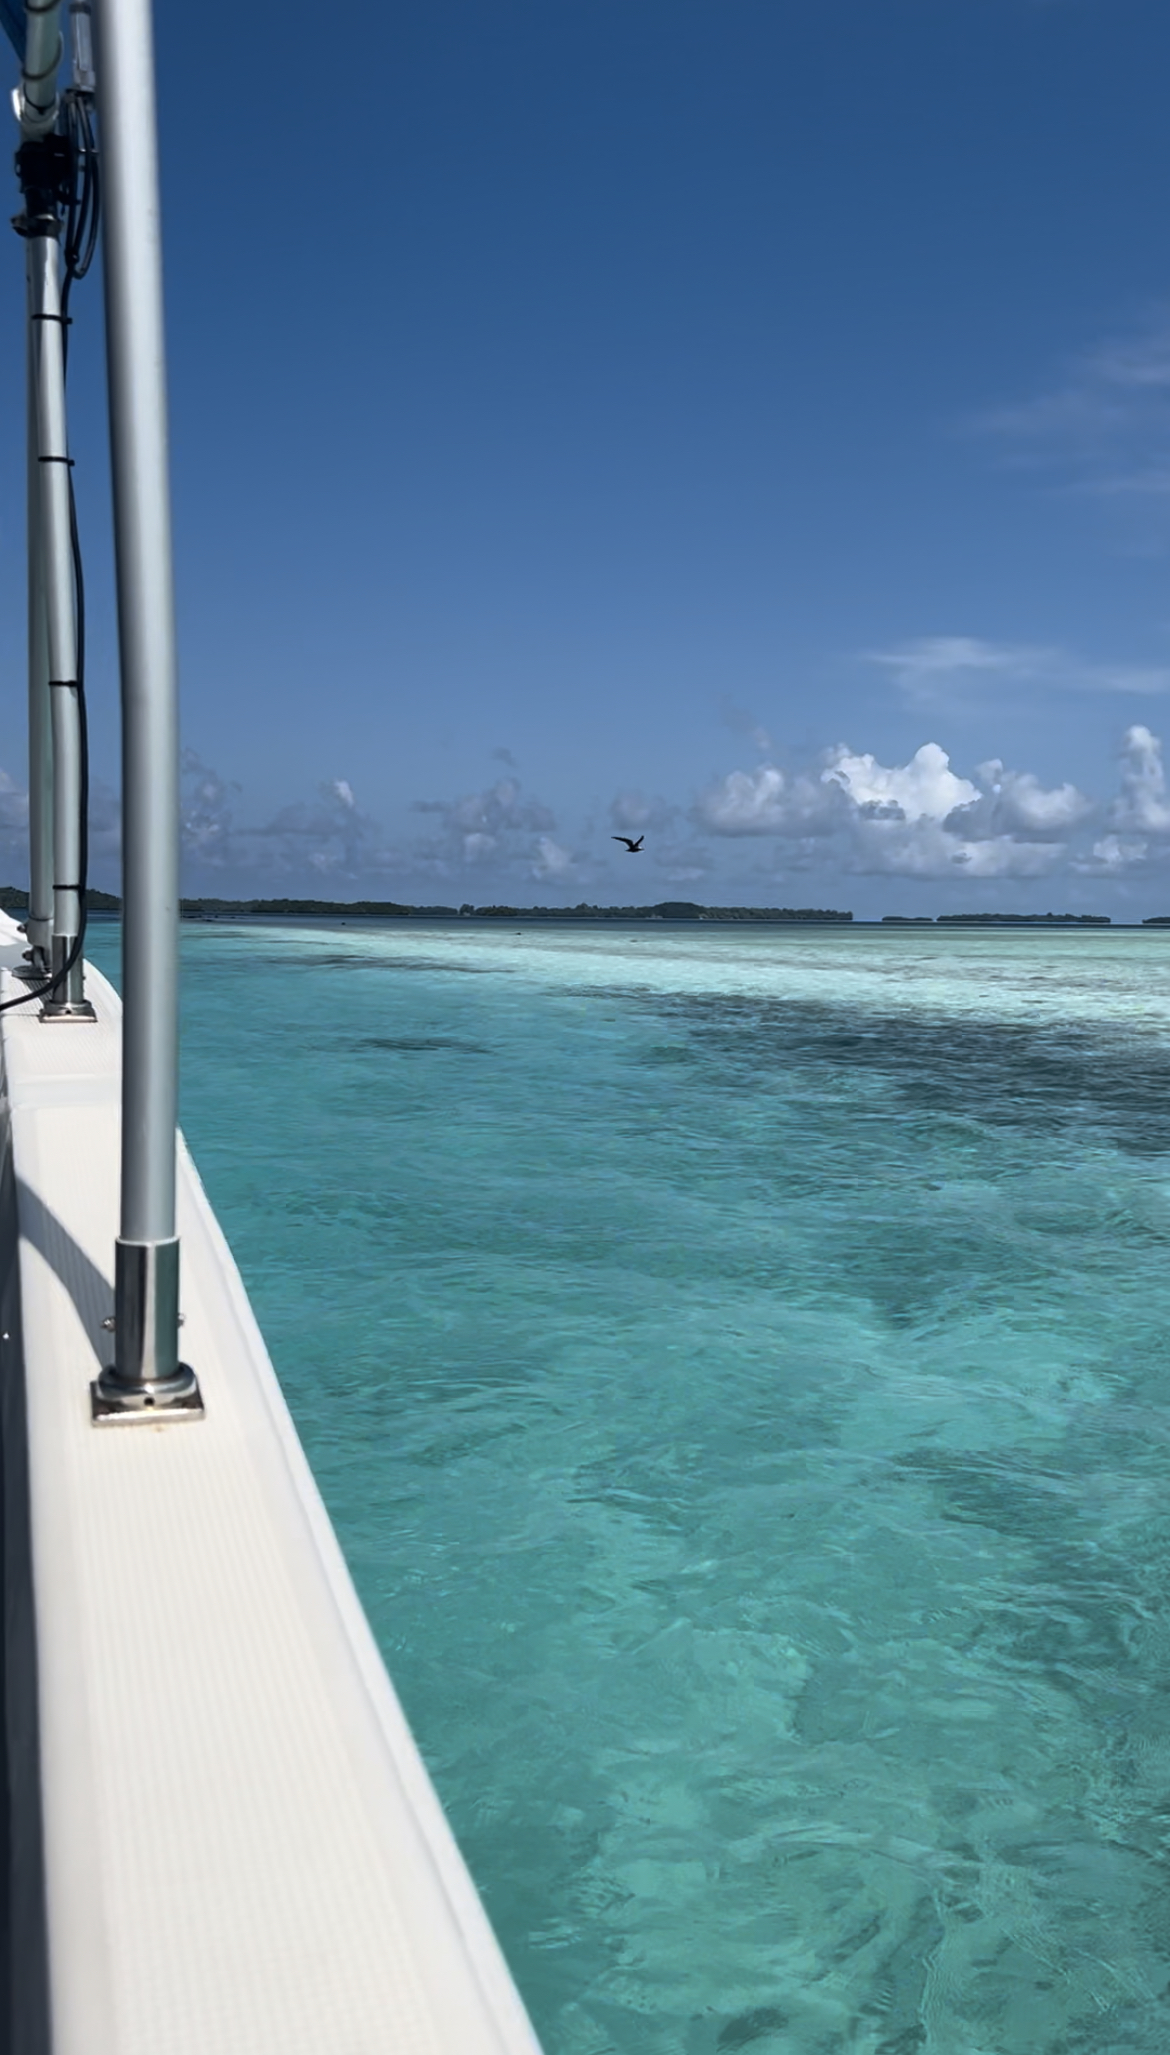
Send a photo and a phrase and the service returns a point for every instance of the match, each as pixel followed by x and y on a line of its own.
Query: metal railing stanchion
pixel 67 1001
pixel 147 1377
pixel 56 770
pixel 39 924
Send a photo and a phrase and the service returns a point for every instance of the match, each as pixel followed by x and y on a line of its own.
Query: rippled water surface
pixel 737 1366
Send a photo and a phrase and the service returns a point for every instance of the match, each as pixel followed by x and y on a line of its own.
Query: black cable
pixel 82 220
pixel 83 201
pixel 50 985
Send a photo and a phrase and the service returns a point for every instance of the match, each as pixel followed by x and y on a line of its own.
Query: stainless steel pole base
pixel 68 1002
pixel 146 1380
pixel 33 972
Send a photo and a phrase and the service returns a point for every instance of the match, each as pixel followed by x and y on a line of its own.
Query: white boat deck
pixel 243 1854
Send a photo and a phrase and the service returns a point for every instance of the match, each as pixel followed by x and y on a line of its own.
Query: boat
pixel 220 1833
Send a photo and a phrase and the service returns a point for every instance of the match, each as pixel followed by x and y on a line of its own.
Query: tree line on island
pixel 14 899
pixel 667 909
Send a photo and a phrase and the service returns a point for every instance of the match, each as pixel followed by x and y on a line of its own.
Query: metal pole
pixel 36 95
pixel 146 1373
pixel 68 1001
pixel 55 768
pixel 39 925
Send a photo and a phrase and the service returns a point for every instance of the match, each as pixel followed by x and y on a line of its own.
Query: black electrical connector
pixel 45 168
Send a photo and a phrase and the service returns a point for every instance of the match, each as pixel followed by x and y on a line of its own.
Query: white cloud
pixel 1015 802
pixel 13 818
pixel 328 835
pixel 632 812
pixel 679 859
pixel 924 819
pixel 477 848
pixel 849 814
pixel 926 788
pixel 1142 801
pixel 936 670
pixel 928 849
pixel 928 669
pixel 105 826
pixel 498 829
pixel 1104 424
pixel 764 802
pixel 499 826
pixel 917 819
pixel 1112 857
pixel 206 809
pixel 1094 397
pixel 1145 679
pixel 921 819
pixel 683 860
pixel 551 860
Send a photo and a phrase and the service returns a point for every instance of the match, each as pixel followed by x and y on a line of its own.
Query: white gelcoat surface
pixel 243 1849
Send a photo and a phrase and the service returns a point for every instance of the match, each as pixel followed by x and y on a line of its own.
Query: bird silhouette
pixel 633 847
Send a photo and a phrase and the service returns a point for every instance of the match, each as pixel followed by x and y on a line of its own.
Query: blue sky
pixel 749 422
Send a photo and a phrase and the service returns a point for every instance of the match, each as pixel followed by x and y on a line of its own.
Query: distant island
pixel 14 899
pixel 998 920
pixel 667 909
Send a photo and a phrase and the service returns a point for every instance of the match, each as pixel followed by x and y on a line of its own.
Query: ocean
pixel 737 1364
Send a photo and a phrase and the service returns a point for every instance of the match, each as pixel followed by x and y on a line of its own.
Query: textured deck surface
pixel 243 1851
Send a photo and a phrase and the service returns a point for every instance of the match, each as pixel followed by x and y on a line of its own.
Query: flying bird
pixel 633 847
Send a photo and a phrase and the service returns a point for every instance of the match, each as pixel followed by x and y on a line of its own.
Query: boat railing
pixel 146 1374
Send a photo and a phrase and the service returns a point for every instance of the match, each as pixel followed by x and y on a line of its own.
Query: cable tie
pixel 56 460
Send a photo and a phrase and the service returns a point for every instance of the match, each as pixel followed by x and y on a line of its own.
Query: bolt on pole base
pixel 115 1404
pixel 68 1002
pixel 146 1381
pixel 67 1009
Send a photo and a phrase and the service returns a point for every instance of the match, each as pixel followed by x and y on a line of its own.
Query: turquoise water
pixel 737 1367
